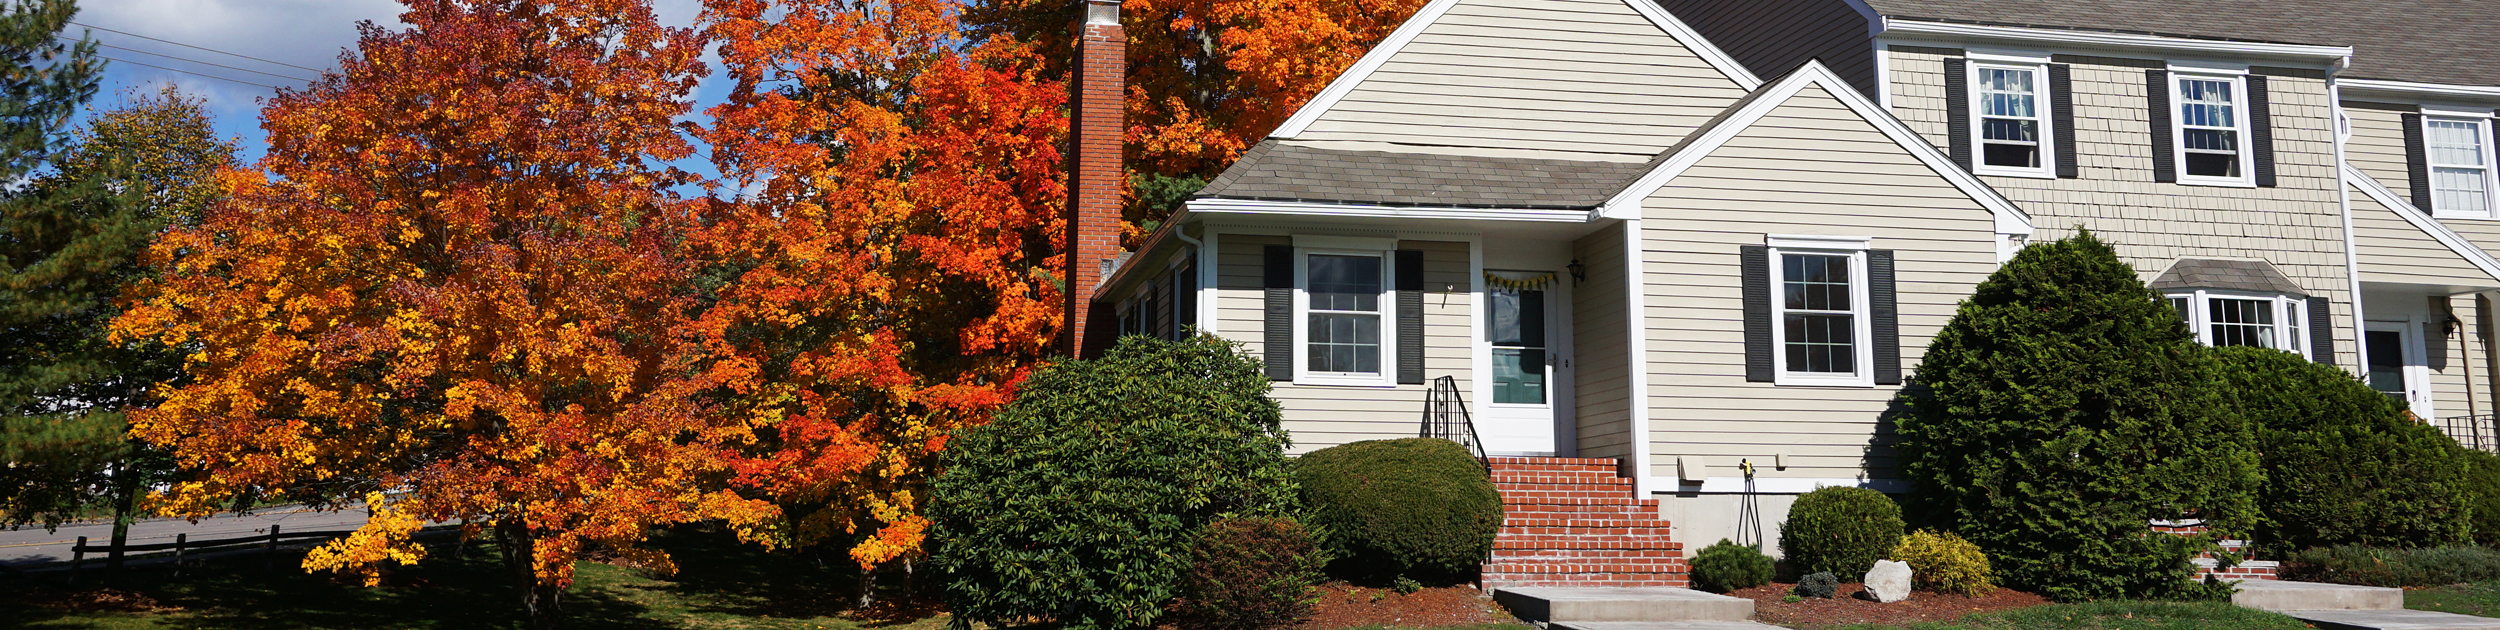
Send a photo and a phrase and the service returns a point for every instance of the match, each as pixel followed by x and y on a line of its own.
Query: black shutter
pixel 1885 308
pixel 2437 346
pixel 1957 110
pixel 2261 130
pixel 2157 103
pixel 2417 162
pixel 1166 319
pixel 2321 331
pixel 2062 119
pixel 1185 300
pixel 1755 261
pixel 1279 337
pixel 1410 317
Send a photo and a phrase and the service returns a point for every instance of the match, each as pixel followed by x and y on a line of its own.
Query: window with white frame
pixel 2460 166
pixel 1343 324
pixel 2010 108
pixel 2212 130
pixel 2241 319
pixel 1820 317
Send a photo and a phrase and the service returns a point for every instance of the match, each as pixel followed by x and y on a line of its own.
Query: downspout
pixel 2343 189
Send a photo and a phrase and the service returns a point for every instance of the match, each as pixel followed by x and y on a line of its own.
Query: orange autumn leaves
pixel 466 283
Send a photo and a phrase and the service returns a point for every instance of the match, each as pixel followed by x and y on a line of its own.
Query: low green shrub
pixel 1078 503
pixel 1728 566
pixel 1250 573
pixel 2344 464
pixel 2391 567
pixel 1839 530
pixel 1415 508
pixel 1817 585
pixel 1945 563
pixel 2482 495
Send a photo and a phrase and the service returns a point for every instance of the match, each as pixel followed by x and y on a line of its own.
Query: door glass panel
pixel 1517 332
pixel 2387 362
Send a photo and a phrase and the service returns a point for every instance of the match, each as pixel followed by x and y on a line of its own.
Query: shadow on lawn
pixel 718 577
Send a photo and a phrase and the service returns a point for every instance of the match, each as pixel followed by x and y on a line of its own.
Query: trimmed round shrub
pixel 1078 503
pixel 2344 465
pixel 1839 530
pixel 2482 495
pixel 1822 585
pixel 1945 563
pixel 1250 573
pixel 1417 508
pixel 1728 566
pixel 2061 410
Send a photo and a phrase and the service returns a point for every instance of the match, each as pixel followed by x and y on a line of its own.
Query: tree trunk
pixel 542 603
pixel 125 509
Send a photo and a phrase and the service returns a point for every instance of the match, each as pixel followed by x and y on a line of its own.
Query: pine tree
pixel 2063 408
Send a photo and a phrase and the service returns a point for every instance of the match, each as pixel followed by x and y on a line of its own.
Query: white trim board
pixel 1896 28
pixel 2420 89
pixel 1432 11
pixel 1778 485
pixel 1323 209
pixel 2456 243
pixel 1627 203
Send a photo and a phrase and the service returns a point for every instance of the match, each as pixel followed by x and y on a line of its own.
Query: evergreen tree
pixel 2063 408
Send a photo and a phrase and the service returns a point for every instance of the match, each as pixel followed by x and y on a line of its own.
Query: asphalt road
pixel 33 547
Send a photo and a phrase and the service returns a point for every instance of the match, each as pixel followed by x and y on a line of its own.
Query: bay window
pixel 2235 319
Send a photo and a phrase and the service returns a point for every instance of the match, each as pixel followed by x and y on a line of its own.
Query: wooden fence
pixel 183 546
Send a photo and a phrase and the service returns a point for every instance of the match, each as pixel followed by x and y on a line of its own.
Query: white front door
pixel 2398 365
pixel 1529 370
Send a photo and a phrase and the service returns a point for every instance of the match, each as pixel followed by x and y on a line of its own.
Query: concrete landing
pixel 1661 625
pixel 2392 620
pixel 2280 596
pixel 1560 604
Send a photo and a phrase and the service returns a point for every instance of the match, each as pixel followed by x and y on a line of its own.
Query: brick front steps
pixel 1575 522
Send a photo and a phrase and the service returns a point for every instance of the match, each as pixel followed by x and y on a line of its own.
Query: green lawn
pixel 2480 599
pixel 721 585
pixel 2121 615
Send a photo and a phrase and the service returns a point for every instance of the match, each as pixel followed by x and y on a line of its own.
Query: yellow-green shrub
pixel 1944 563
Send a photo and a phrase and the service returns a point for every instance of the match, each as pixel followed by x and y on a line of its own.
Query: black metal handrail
pixel 1446 417
pixel 2475 432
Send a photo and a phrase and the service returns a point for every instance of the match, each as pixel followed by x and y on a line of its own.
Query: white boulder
pixel 1889 581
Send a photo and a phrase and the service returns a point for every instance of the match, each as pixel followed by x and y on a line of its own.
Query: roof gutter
pixel 2410 88
pixel 1898 28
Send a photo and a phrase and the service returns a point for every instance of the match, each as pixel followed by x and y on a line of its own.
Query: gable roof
pixel 2427 41
pixel 2253 276
pixel 1282 170
pixel 1625 203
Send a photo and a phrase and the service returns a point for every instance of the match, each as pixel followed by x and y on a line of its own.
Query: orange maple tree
pixel 888 240
pixel 456 288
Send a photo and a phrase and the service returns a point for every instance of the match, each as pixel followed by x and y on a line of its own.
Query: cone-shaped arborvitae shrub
pixel 2343 464
pixel 2063 408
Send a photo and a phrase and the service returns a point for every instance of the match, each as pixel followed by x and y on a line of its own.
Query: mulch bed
pixel 1846 608
pixel 1346 606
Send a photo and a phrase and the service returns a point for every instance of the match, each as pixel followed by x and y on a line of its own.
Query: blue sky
pixel 307 33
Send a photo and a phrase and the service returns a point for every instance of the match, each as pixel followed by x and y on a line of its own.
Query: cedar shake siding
pixel 2297 224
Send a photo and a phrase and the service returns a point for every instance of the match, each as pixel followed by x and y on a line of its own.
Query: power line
pixel 221 52
pixel 212 76
pixel 204 63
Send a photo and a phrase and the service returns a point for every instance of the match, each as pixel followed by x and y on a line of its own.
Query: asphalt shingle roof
pixel 2428 41
pixel 2253 276
pixel 1274 170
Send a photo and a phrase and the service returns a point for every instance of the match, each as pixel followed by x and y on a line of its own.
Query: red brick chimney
pixel 1098 133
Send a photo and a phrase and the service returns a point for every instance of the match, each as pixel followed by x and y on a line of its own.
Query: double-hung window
pixel 2460 164
pixel 1344 299
pixel 2212 129
pixel 1820 322
pixel 2009 107
pixel 2234 319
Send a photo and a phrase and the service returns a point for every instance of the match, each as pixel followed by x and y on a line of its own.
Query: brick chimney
pixel 1098 135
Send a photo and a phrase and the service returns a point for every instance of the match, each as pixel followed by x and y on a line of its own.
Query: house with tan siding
pixel 1688 251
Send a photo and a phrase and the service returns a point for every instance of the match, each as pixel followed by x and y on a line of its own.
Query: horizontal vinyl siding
pixel 1324 416
pixel 2393 250
pixel 1598 330
pixel 2297 225
pixel 1575 75
pixel 1851 181
pixel 2378 149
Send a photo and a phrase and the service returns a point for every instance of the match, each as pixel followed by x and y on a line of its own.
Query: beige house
pixel 1701 237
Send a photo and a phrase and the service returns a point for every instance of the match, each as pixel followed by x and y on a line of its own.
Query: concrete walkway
pixel 2347 607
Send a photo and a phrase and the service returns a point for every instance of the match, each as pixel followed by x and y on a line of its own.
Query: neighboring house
pixel 1698 237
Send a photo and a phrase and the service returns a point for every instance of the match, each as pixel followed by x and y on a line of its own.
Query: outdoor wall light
pixel 1579 271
